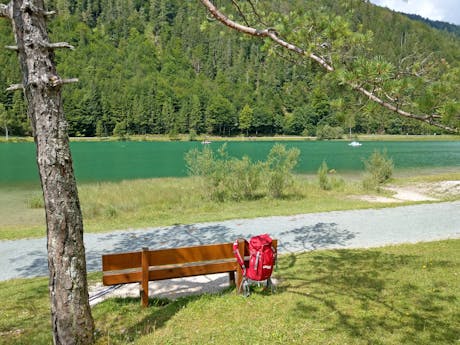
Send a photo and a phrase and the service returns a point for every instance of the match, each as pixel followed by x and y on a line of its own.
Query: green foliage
pixel 327 179
pixel 379 169
pixel 245 118
pixel 225 178
pixel 323 178
pixel 192 136
pixel 329 132
pixel 229 178
pixel 120 130
pixel 279 169
pixel 155 67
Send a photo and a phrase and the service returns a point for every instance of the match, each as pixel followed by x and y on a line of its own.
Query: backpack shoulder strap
pixel 238 257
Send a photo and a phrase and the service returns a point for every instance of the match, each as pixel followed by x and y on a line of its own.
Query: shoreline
pixel 185 137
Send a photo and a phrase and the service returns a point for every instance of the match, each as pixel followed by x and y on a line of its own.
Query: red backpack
pixel 262 258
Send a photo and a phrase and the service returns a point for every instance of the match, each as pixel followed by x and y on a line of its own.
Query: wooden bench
pixel 150 265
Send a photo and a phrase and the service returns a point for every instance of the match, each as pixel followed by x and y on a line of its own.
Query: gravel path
pixel 340 229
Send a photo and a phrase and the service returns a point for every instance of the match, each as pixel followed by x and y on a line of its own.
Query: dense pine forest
pixel 166 67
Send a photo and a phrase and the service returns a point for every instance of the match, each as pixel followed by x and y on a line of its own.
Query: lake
pixel 114 161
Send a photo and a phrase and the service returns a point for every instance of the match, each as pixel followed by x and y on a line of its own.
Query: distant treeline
pixel 455 29
pixel 163 66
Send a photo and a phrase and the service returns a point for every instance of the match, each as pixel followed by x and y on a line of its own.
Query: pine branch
pixel 274 36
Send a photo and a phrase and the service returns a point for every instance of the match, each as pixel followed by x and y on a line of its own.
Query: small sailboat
pixel 354 144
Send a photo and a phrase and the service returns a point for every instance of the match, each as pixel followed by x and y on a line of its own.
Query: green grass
pixel 406 294
pixel 168 201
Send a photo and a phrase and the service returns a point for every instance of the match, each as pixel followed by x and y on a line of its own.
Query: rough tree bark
pixel 72 322
pixel 432 119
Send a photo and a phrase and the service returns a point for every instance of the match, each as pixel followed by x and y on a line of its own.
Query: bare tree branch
pixel 6 10
pixel 69 81
pixel 14 48
pixel 49 13
pixel 273 35
pixel 15 87
pixel 58 45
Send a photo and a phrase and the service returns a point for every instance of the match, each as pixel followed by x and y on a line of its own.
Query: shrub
pixel 224 177
pixel 323 177
pixel 379 169
pixel 328 132
pixel 227 178
pixel 278 169
pixel 200 162
pixel 192 135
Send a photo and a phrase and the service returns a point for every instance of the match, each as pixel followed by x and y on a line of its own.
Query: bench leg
pixel 239 270
pixel 144 286
pixel 231 278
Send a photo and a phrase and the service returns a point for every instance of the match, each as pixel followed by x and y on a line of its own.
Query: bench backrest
pixel 168 263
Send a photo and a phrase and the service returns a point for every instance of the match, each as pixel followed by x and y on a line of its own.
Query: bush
pixel 227 178
pixel 327 178
pixel 379 169
pixel 328 132
pixel 224 177
pixel 323 177
pixel 192 136
pixel 279 165
pixel 120 130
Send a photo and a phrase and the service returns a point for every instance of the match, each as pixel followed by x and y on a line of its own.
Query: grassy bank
pixel 168 201
pixel 405 294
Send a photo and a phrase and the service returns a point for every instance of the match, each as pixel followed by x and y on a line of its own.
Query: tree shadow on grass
pixel 367 297
pixel 122 330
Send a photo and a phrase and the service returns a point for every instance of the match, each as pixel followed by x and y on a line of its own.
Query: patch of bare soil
pixel 427 191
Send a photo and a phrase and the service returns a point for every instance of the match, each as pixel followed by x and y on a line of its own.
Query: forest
pixel 167 67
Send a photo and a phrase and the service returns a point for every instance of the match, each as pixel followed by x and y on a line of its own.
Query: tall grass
pixel 167 201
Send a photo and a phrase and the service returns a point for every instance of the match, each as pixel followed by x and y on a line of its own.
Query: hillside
pixel 455 29
pixel 161 66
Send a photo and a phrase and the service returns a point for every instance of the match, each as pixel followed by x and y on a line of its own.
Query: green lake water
pixel 114 161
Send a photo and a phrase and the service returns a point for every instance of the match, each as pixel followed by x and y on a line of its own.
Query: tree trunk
pixel 72 322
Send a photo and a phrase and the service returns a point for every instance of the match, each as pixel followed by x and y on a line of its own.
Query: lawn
pixel 405 294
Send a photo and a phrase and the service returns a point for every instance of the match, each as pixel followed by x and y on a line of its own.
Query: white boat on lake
pixel 355 143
